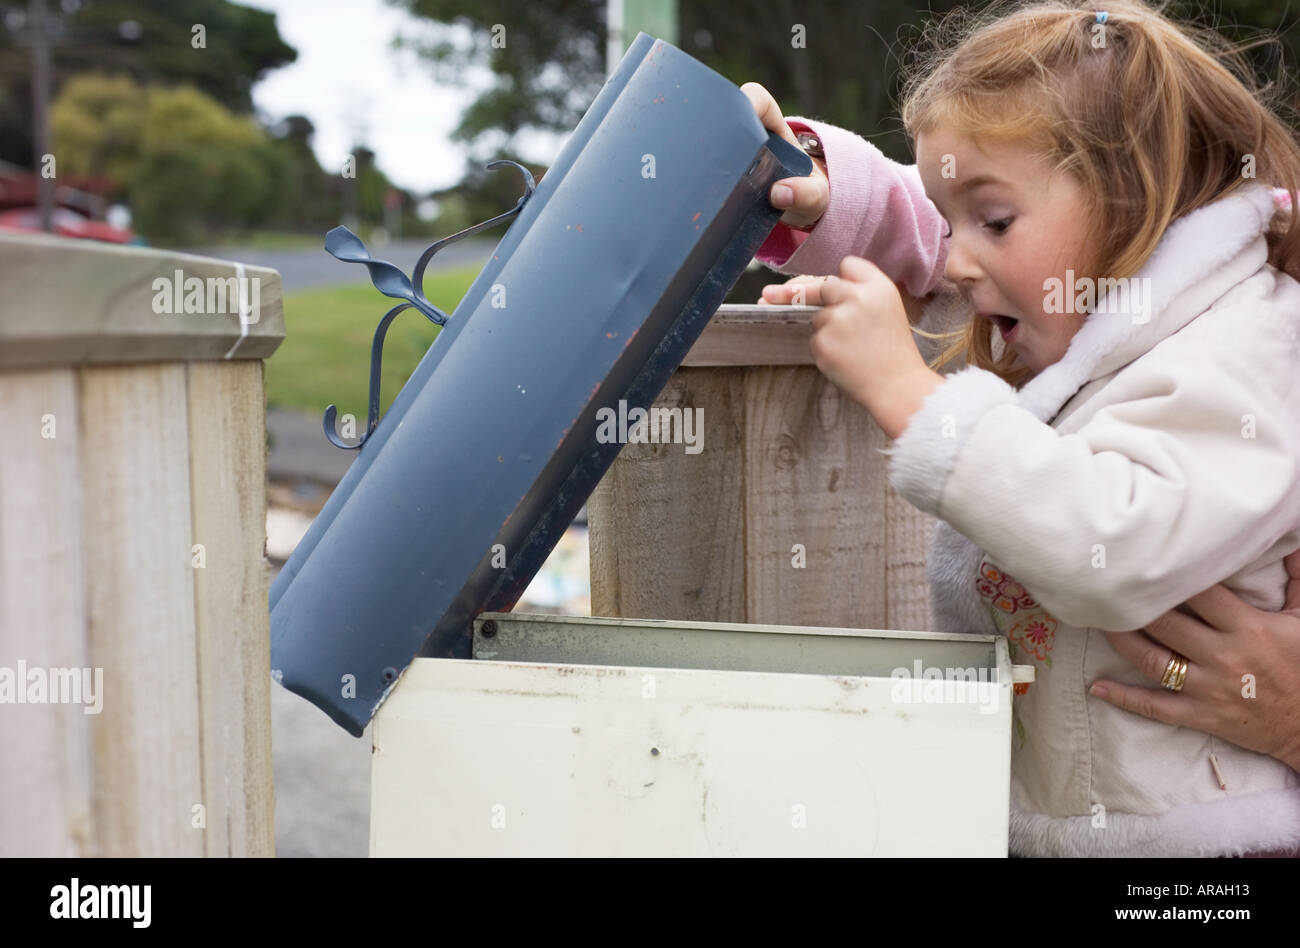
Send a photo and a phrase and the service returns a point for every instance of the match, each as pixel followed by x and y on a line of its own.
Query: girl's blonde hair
pixel 1153 118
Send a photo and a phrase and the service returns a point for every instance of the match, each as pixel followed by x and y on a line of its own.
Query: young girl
pixel 1096 187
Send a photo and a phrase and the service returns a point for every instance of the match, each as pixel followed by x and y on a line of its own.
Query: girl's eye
pixel 1000 226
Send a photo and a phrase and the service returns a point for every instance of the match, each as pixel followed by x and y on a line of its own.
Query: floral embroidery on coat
pixel 1028 626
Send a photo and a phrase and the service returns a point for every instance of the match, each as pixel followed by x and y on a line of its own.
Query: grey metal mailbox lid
pixel 594 295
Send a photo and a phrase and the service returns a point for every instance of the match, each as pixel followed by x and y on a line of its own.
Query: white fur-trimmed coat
pixel 1160 456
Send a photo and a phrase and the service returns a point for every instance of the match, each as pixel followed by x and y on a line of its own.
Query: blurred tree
pixel 846 71
pixel 97 124
pixel 312 197
pixel 188 166
pixel 551 63
pixel 372 184
pixel 836 61
pixel 148 40
pixel 548 60
pixel 1269 26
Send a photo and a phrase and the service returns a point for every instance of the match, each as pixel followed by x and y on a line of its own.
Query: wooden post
pixel 133 582
pixel 785 517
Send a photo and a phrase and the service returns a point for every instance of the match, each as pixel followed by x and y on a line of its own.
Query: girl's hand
pixel 1235 639
pixel 862 342
pixel 805 290
pixel 802 290
pixel 805 199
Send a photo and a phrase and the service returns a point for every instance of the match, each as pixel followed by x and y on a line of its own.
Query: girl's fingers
pixel 803 295
pixel 804 200
pixel 769 113
pixel 802 290
pixel 858 269
pixel 836 290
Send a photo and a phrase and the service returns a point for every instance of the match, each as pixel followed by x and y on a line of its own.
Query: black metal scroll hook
pixel 391 281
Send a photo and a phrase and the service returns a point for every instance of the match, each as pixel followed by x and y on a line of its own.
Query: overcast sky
pixel 350 83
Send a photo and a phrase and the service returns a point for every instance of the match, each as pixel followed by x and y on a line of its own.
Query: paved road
pixel 299 450
pixel 322 781
pixel 308 268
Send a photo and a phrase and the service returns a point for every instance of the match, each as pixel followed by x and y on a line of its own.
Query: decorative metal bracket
pixel 391 281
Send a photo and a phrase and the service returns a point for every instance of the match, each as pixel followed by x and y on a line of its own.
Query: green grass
pixel 277 240
pixel 325 356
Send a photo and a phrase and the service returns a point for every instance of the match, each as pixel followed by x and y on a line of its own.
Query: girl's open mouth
pixel 1007 325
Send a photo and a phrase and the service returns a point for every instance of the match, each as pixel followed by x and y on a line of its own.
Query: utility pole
pixel 625 18
pixel 40 109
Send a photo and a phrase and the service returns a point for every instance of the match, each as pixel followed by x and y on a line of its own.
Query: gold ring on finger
pixel 1175 673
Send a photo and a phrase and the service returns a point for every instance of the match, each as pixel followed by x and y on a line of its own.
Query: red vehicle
pixel 66 223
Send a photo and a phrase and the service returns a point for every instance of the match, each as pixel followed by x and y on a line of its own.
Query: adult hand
pixel 1233 640
pixel 804 199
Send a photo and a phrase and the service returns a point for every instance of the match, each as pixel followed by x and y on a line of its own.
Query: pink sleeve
pixel 878 210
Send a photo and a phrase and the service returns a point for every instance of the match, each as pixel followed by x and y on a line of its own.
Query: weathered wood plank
pixel 140 597
pixel 743 334
pixel 45 749
pixel 801 464
pixel 227 428
pixel 666 526
pixel 907 532
pixel 751 334
pixel 70 302
pixel 812 496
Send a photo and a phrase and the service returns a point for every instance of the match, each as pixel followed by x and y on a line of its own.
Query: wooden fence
pixel 132 569
pixel 785 517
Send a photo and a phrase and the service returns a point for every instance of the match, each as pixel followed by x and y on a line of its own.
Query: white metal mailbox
pixel 573 736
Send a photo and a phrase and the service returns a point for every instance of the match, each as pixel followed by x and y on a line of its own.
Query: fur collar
pixel 1201 256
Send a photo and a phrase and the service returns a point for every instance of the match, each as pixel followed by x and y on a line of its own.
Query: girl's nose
pixel 960 266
